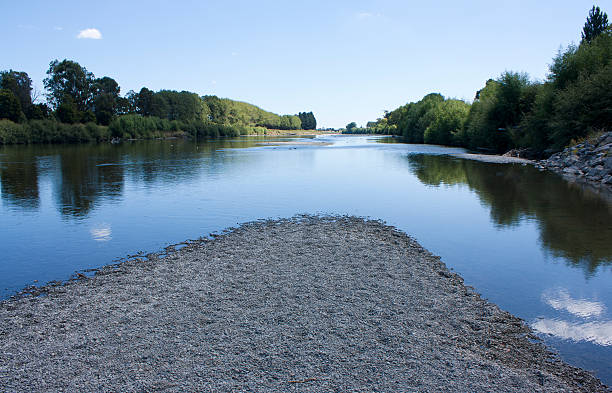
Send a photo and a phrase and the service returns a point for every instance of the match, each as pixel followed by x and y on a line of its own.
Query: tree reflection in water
pixel 574 222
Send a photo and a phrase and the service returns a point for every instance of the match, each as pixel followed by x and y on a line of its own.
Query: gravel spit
pixel 308 304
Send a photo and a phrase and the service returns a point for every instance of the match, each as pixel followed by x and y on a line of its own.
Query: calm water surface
pixel 529 241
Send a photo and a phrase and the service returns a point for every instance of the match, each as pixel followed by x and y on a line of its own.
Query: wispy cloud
pixel 91 33
pixel 58 28
pixel 367 15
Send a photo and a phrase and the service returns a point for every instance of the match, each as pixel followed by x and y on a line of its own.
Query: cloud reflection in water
pixel 596 332
pixel 101 233
pixel 561 300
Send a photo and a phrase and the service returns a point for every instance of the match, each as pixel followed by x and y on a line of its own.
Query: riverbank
pixel 589 161
pixel 306 304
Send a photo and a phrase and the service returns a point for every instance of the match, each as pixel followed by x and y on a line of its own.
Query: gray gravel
pixel 307 304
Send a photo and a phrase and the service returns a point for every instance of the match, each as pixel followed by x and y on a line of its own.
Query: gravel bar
pixel 307 304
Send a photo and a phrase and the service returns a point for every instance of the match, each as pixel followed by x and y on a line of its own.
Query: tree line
pixel 513 111
pixel 80 107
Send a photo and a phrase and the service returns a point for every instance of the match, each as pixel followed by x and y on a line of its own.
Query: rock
pixel 591 161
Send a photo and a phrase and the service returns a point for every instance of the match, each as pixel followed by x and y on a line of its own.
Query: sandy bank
pixel 308 304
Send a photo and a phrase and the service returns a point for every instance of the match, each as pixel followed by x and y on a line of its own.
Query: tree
pixel 105 96
pixel 68 79
pixel 596 23
pixel 67 111
pixel 10 108
pixel 351 125
pixel 20 84
pixel 448 120
pixel 105 105
pixel 308 120
pixel 106 85
pixel 144 102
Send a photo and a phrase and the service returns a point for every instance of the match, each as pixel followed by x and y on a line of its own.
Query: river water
pixel 538 246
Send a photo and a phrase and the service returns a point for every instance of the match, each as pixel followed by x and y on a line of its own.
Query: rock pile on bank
pixel 590 161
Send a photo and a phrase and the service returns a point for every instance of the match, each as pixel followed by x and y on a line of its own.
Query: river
pixel 536 245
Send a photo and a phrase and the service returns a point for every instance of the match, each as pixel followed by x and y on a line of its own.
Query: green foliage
pixel 499 107
pixel 447 120
pixel 68 79
pixel 308 120
pixel 67 111
pixel 230 112
pixel 51 131
pixel 10 108
pixel 597 23
pixel 412 119
pixel 78 97
pixel 104 105
pixel 585 106
pixel 20 84
pixel 351 125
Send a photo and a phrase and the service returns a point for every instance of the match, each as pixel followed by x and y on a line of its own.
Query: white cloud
pixel 561 300
pixel 596 332
pixel 58 28
pixel 90 33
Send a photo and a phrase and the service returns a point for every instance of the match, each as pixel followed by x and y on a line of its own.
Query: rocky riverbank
pixel 590 161
pixel 306 304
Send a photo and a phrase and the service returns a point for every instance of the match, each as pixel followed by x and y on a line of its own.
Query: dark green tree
pixel 144 102
pixel 104 105
pixel 596 23
pixel 10 108
pixel 21 86
pixel 351 125
pixel 69 79
pixel 106 85
pixel 67 111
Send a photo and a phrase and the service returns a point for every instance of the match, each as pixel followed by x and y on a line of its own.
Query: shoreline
pixel 306 304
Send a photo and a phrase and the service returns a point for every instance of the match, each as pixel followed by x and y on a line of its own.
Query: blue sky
pixel 343 60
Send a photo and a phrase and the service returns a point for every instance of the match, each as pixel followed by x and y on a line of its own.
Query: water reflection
pixel 101 233
pixel 19 178
pixel 574 223
pixel 595 332
pixel 85 174
pixel 561 300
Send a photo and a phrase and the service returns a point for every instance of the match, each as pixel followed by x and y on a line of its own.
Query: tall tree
pixel 69 79
pixel 144 102
pixel 596 23
pixel 20 84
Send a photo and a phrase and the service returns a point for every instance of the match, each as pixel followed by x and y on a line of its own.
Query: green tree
pixel 144 102
pixel 10 107
pixel 448 119
pixel 21 86
pixel 69 79
pixel 596 23
pixel 351 125
pixel 67 111
pixel 104 104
